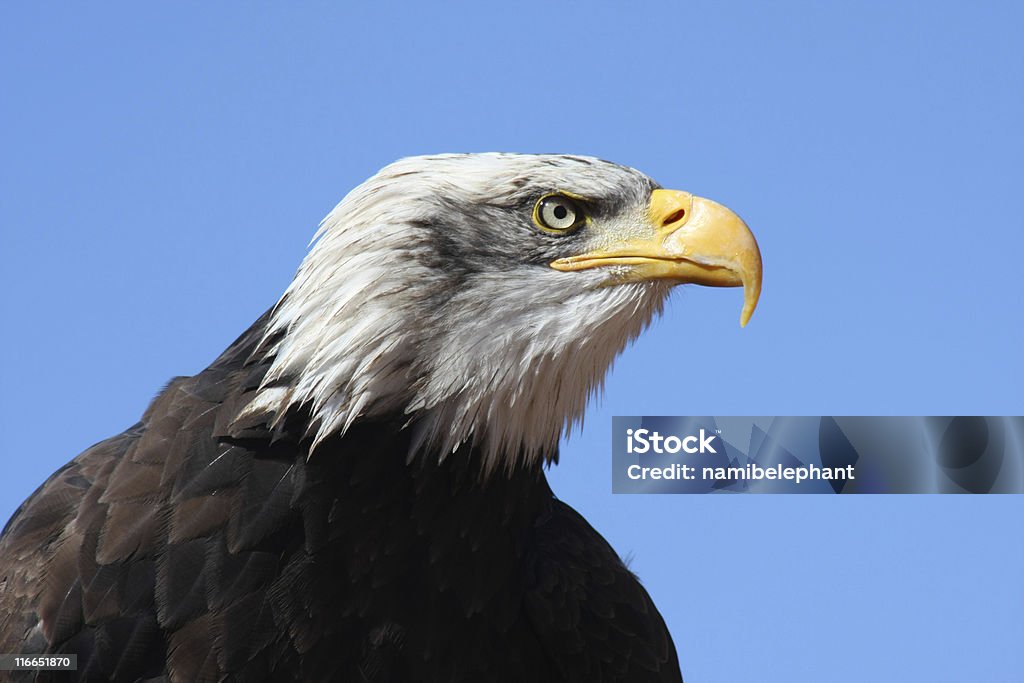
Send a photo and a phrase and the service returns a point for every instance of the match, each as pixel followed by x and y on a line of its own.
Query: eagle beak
pixel 691 240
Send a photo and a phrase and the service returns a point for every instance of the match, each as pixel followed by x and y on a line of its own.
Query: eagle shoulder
pixel 589 610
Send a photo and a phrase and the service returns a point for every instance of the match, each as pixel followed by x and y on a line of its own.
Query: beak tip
pixel 750 299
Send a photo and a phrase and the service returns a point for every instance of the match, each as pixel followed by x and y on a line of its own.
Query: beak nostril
pixel 674 217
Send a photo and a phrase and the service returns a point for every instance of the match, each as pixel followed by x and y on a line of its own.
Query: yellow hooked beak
pixel 691 240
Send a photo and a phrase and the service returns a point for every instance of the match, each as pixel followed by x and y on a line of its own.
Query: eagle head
pixel 481 298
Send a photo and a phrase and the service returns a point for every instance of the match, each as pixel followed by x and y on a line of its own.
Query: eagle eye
pixel 558 213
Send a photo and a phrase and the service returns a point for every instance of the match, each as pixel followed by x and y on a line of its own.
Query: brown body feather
pixel 194 548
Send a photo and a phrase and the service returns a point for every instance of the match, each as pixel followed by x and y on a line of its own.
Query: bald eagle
pixel 354 490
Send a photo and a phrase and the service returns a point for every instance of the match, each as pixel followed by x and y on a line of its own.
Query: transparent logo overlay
pixel 859 454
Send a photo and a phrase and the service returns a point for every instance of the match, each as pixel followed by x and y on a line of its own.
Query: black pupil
pixel 560 212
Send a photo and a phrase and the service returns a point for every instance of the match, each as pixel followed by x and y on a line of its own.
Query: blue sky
pixel 163 169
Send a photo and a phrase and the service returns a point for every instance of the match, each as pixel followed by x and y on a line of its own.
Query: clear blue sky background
pixel 163 169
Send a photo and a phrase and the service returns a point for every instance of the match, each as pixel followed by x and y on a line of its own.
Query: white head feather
pixel 378 322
